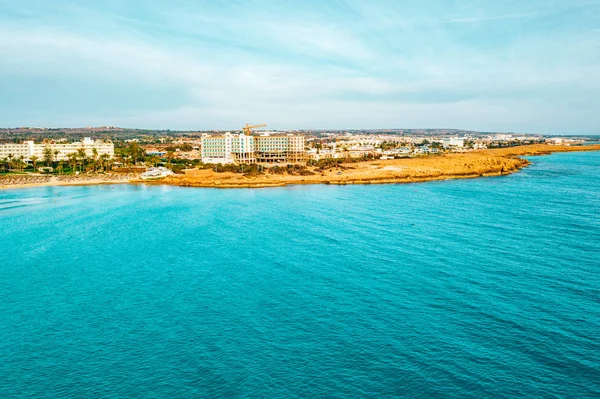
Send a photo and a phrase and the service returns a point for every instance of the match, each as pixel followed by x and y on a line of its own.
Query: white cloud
pixel 299 72
pixel 54 52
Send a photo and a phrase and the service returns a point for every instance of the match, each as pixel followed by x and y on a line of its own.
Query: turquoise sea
pixel 484 288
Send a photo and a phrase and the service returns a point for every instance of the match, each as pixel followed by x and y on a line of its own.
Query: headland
pixel 493 162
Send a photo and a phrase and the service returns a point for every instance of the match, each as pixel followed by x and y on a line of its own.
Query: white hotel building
pixel 240 148
pixel 28 149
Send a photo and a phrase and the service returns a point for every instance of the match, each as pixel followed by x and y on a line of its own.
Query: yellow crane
pixel 248 129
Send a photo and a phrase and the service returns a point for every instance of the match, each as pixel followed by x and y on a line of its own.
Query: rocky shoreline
pixel 452 166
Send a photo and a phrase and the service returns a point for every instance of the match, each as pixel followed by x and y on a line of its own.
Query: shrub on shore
pixel 255 170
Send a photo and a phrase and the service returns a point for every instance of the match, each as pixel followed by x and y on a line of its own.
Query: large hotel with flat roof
pixel 60 151
pixel 241 148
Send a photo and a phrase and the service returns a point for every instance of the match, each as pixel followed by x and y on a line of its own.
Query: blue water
pixel 485 288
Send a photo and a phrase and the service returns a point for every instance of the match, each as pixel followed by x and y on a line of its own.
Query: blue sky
pixel 522 66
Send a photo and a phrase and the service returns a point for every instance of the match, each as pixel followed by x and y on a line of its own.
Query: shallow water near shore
pixel 465 288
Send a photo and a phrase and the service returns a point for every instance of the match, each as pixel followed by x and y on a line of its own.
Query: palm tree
pixel 56 152
pixel 34 160
pixel 98 164
pixel 72 160
pixel 48 155
pixel 81 154
pixel 95 158
pixel 170 156
pixel 104 159
pixel 134 151
pixel 152 161
pixel 21 162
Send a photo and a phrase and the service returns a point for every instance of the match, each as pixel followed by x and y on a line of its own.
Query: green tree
pixel 104 161
pixel 170 155
pixel 152 160
pixel 134 152
pixel 10 161
pixel 82 156
pixel 48 155
pixel 34 160
pixel 72 160
pixel 95 158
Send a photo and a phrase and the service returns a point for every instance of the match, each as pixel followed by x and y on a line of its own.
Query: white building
pixel 60 151
pixel 156 173
pixel 322 154
pixel 240 148
pixel 14 151
pixel 453 142
pixel 227 148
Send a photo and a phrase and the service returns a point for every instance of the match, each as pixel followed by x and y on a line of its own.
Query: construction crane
pixel 248 129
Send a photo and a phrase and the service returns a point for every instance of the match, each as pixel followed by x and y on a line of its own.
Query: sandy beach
pixel 37 180
pixel 409 170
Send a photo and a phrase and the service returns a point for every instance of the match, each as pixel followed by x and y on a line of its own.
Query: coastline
pixel 467 165
pixel 64 184
pixel 64 180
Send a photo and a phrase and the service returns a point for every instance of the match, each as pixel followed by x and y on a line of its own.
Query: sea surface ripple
pixel 484 288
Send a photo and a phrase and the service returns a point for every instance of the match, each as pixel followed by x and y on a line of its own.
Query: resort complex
pixel 57 151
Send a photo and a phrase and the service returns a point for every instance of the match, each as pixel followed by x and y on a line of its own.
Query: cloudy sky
pixel 491 65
